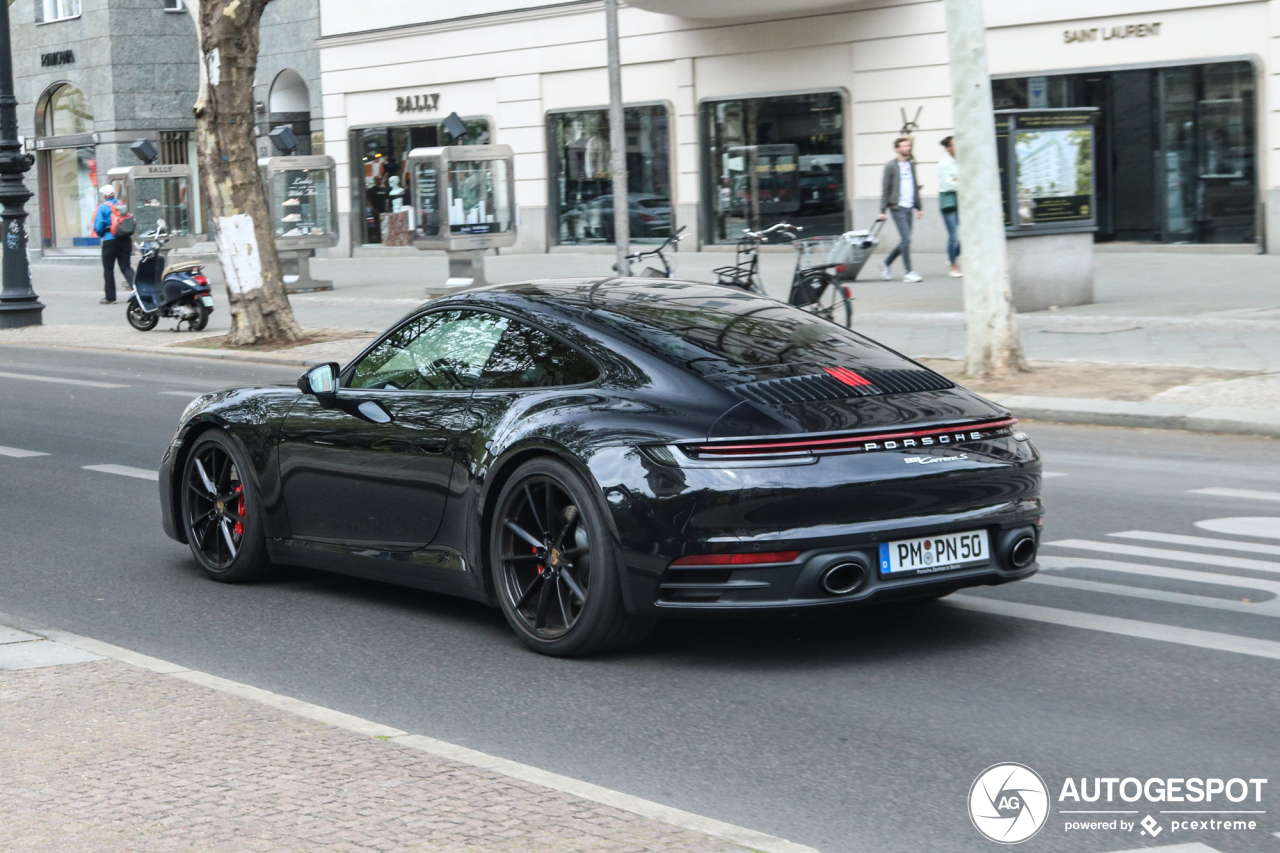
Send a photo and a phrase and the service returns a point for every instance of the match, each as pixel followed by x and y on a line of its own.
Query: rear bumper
pixel 656 588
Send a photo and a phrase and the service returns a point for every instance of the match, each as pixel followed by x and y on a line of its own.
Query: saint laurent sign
pixel 1129 31
pixel 60 57
pixel 418 103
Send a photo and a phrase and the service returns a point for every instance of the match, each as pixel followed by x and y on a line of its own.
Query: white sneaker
pixel 912 276
pixel 956 274
pixel 884 272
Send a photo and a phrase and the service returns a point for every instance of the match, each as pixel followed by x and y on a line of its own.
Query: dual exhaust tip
pixel 845 577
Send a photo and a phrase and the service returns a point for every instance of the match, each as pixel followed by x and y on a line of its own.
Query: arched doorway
pixel 290 103
pixel 68 173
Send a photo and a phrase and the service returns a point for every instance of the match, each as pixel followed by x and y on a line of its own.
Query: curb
pixel 217 355
pixel 750 838
pixel 1234 420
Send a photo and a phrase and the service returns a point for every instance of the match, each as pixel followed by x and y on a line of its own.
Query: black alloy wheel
pixel 827 298
pixel 220 514
pixel 556 567
pixel 139 319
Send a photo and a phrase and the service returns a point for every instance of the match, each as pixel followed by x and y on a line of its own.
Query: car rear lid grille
pixel 841 384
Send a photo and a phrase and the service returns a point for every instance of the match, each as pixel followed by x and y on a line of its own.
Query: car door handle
pixel 433 445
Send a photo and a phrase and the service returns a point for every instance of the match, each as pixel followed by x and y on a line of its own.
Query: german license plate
pixel 206 301
pixel 935 553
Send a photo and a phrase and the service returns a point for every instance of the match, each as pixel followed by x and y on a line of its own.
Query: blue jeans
pixel 952 220
pixel 902 219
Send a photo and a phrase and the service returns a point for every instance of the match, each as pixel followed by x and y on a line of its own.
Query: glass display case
pixel 463 197
pixel 302 196
pixel 153 192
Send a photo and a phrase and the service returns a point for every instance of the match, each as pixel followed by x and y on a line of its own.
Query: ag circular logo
pixel 1008 803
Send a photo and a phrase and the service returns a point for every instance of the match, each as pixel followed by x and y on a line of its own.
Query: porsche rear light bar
pixel 929 437
pixel 737 559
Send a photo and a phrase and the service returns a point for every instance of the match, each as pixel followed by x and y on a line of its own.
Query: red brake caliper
pixel 239 528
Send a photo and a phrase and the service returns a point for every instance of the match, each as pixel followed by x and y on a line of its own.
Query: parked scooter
pixel 158 291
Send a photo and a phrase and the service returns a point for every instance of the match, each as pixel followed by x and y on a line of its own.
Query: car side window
pixel 526 357
pixel 440 351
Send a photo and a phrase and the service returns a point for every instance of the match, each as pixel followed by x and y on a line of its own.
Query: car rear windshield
pixel 715 328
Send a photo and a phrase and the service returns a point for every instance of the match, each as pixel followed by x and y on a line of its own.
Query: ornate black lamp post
pixel 19 305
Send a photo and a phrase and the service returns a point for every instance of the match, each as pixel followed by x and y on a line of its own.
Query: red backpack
pixel 122 222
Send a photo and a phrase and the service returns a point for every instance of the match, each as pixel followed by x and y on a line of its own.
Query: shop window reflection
pixel 775 159
pixel 582 175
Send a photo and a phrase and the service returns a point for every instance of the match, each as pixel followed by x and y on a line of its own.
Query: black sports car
pixel 593 455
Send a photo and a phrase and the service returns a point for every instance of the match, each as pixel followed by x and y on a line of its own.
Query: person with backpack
pixel 115 226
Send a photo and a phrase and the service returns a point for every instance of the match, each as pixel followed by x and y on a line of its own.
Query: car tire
pixel 563 595
pixel 221 511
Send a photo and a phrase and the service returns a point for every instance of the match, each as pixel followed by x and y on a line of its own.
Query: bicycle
pixel 814 288
pixel 668 267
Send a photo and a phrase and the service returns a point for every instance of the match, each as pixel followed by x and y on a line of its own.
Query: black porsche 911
pixel 591 456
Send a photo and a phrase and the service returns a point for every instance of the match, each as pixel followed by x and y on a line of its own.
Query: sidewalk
pixel 1153 310
pixel 108 750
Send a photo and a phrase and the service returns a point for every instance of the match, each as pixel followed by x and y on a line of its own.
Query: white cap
pixel 107 190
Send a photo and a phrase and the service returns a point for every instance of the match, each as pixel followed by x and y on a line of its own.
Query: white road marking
pixel 125 471
pixel 1191 847
pixel 19 453
pixel 1199 541
pixel 1125 627
pixel 1047 474
pixel 585 790
pixel 1166 554
pixel 85 382
pixel 1260 584
pixel 1259 527
pixel 1154 595
pixel 1238 493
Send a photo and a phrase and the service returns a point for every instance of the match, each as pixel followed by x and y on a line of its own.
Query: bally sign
pixel 418 103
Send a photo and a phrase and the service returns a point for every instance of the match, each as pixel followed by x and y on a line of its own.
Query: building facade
pixel 94 76
pixel 744 113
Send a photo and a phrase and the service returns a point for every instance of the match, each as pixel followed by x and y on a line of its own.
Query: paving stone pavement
pixel 103 756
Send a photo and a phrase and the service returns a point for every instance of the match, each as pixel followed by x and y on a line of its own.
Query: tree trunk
pixel 992 344
pixel 228 36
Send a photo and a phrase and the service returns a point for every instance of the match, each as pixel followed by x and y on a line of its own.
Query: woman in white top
pixel 947 201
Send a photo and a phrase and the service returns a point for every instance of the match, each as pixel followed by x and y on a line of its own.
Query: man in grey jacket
pixel 899 196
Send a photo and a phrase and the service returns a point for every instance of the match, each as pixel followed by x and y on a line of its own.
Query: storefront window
pixel 1176 147
pixel 582 175
pixel 69 175
pixel 775 159
pixel 381 174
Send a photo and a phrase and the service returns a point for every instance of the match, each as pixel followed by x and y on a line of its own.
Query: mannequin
pixel 396 194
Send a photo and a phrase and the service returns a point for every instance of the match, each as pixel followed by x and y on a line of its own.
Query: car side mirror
pixel 321 381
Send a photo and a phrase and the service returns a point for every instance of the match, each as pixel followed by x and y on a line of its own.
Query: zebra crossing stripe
pixel 1250 494
pixel 1199 542
pixel 1166 554
pixel 1213 640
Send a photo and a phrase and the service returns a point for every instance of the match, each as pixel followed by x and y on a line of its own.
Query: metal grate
pixel 822 386
pixel 173 147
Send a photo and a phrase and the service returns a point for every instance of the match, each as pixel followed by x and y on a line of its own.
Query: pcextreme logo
pixel 1009 803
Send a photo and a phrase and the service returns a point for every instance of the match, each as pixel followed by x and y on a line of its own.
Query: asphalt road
pixel 862 733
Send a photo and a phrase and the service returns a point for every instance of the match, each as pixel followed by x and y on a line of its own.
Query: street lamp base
pixel 15 314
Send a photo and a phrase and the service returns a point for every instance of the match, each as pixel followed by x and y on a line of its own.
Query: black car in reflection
pixel 591 456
